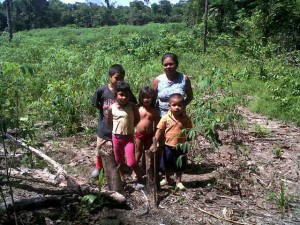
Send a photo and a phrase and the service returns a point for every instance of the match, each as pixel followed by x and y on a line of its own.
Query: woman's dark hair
pixel 172 56
pixel 147 90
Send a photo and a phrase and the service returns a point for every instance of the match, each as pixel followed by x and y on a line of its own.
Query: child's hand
pixel 152 149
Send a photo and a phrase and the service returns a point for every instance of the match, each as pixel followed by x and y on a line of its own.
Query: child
pixel 149 118
pixel 103 98
pixel 123 116
pixel 170 126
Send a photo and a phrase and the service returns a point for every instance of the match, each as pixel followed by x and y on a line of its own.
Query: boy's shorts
pixel 144 137
pixel 169 158
pixel 104 147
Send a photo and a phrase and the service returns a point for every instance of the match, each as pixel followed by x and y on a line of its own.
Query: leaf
pixel 179 161
pixel 89 199
pixel 101 179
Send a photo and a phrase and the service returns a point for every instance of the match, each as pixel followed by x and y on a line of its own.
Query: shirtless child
pixel 149 118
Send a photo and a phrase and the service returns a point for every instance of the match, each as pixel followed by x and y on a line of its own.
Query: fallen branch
pixel 222 218
pixel 10 156
pixel 61 173
pixel 40 202
pixel 33 175
pixel 116 196
pixel 65 181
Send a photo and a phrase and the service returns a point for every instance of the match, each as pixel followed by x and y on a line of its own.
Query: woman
pixel 171 82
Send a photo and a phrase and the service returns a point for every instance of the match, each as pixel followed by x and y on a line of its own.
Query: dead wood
pixel 61 173
pixel 63 197
pixel 39 203
pixel 111 174
pixel 11 156
pixel 67 183
pixel 33 175
pixel 152 173
pixel 222 218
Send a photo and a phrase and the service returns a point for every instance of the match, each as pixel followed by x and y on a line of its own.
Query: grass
pixel 278 152
pixel 260 131
pixel 281 198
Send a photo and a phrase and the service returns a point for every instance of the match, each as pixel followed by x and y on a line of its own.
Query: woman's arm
pixel 155 85
pixel 188 90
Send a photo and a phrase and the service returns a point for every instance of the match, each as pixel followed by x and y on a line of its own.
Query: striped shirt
pixel 173 128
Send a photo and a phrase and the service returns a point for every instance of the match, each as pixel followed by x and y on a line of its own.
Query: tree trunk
pixel 152 165
pixel 9 20
pixel 205 27
pixel 112 176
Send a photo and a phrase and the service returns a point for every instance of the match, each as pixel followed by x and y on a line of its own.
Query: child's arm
pixel 96 100
pixel 109 118
pixel 132 98
pixel 156 118
pixel 158 135
pixel 136 114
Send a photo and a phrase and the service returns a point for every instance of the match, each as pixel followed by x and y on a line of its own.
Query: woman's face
pixel 169 66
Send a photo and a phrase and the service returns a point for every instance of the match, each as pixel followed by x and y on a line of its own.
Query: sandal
pixel 164 182
pixel 180 187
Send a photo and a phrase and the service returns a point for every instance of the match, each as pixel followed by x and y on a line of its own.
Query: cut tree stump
pixel 152 176
pixel 111 174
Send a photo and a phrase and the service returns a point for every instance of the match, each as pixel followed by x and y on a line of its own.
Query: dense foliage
pixel 275 20
pixel 51 74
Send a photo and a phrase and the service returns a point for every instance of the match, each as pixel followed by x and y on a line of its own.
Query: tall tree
pixel 139 13
pixel 9 19
pixel 205 26
pixel 166 7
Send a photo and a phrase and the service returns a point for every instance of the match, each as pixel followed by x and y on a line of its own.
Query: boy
pixel 103 98
pixel 171 126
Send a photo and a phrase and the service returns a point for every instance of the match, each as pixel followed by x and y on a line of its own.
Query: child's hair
pixel 172 56
pixel 116 68
pixel 123 86
pixel 176 96
pixel 147 90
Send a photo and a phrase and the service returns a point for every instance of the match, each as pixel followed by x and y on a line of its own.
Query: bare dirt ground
pixel 239 183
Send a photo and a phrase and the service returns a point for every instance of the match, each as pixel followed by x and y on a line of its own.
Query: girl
pixel 122 117
pixel 149 118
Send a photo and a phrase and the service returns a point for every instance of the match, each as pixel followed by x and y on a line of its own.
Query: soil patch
pixel 245 181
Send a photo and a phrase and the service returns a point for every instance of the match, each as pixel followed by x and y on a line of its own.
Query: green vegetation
pixel 278 152
pixel 281 198
pixel 51 74
pixel 92 200
pixel 260 131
